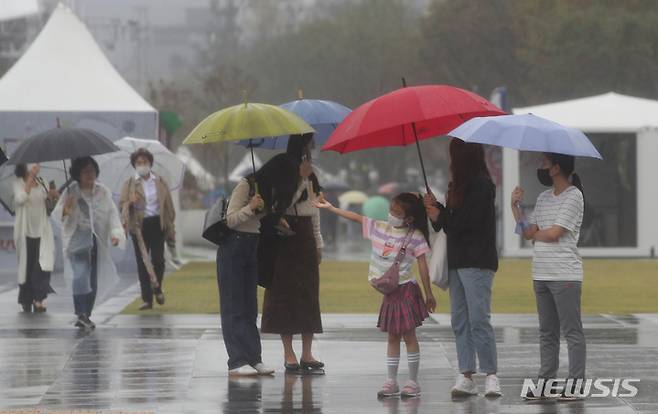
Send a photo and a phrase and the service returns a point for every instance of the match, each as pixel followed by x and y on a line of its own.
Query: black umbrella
pixel 61 144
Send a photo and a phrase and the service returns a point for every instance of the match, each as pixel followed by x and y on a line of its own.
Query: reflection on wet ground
pixel 176 364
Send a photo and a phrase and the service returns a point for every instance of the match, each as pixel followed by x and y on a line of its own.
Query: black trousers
pixel 37 282
pixel 154 239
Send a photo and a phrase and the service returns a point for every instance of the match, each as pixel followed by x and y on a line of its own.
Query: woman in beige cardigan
pixel 33 237
pixel 147 212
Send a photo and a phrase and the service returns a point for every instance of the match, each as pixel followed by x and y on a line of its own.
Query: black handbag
pixel 215 228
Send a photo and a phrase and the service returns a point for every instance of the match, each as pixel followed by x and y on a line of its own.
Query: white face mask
pixel 143 170
pixel 395 221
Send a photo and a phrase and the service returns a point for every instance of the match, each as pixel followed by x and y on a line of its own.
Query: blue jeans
pixel 237 279
pixel 87 264
pixel 470 302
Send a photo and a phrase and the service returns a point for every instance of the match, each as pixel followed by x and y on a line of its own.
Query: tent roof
pixel 13 9
pixel 610 112
pixel 65 70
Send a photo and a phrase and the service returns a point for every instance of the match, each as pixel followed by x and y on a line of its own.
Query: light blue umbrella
pixel 322 115
pixel 526 133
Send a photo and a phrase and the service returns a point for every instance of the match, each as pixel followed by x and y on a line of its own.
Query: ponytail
pixel 576 182
pixel 567 165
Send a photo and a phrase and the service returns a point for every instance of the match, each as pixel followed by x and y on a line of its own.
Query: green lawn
pixel 611 286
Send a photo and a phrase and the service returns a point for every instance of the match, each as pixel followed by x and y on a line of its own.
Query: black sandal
pixel 312 365
pixel 292 368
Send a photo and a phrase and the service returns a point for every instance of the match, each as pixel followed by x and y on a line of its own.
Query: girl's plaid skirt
pixel 402 310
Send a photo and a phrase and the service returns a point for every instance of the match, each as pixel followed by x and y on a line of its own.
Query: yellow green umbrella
pixel 247 121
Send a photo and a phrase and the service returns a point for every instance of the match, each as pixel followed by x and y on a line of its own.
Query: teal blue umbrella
pixel 376 208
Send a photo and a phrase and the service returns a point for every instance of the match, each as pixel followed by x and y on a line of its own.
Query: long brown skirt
pixel 292 303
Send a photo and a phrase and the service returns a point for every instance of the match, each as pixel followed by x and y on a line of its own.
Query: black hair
pixel 277 183
pixel 467 162
pixel 413 207
pixel 79 163
pixel 297 145
pixel 567 165
pixel 141 152
pixel 20 171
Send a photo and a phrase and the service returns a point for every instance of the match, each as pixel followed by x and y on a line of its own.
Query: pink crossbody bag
pixel 389 281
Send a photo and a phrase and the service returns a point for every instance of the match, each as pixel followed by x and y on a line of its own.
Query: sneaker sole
pixel 570 399
pixel 460 393
pixel 237 374
pixel 536 398
pixel 265 373
pixel 381 395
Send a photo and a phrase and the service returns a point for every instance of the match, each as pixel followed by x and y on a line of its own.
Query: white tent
pixel 64 78
pixel 620 191
pixel 205 180
pixel 14 9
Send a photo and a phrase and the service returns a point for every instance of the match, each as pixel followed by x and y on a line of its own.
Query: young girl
pixel 557 268
pixel 403 309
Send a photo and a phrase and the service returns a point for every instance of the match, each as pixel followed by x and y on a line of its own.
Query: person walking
pixel 90 224
pixel 469 222
pixel 292 301
pixel 33 237
pixel 557 268
pixel 148 214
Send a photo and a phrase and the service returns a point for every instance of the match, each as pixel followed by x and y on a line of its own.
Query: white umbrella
pixel 116 167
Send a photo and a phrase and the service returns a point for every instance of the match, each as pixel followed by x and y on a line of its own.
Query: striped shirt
pixel 559 260
pixel 386 243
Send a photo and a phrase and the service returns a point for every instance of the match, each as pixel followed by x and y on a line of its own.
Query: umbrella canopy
pixel 352 197
pixel 389 188
pixel 247 121
pixel 323 116
pixel 50 171
pixel 526 133
pixel 390 119
pixel 61 144
pixel 116 167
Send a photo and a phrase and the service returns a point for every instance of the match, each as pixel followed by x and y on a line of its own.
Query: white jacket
pixel 47 243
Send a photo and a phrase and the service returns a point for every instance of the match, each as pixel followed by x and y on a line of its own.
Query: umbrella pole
pixel 253 163
pixel 66 174
pixel 420 155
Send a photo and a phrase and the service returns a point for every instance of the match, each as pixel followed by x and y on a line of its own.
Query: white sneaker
pixel 464 387
pixel 262 369
pixel 243 371
pixel 492 387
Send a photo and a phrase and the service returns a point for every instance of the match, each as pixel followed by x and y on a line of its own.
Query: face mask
pixel 395 221
pixel 544 177
pixel 143 170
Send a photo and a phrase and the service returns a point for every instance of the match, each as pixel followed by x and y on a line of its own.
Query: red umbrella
pixel 407 115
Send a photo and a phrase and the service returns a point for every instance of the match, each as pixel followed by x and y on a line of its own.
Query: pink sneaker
pixel 411 389
pixel 389 389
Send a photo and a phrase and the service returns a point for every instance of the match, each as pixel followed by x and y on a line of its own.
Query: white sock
pixel 392 364
pixel 414 363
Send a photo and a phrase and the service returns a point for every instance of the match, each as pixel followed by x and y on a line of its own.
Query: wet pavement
pixel 177 364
